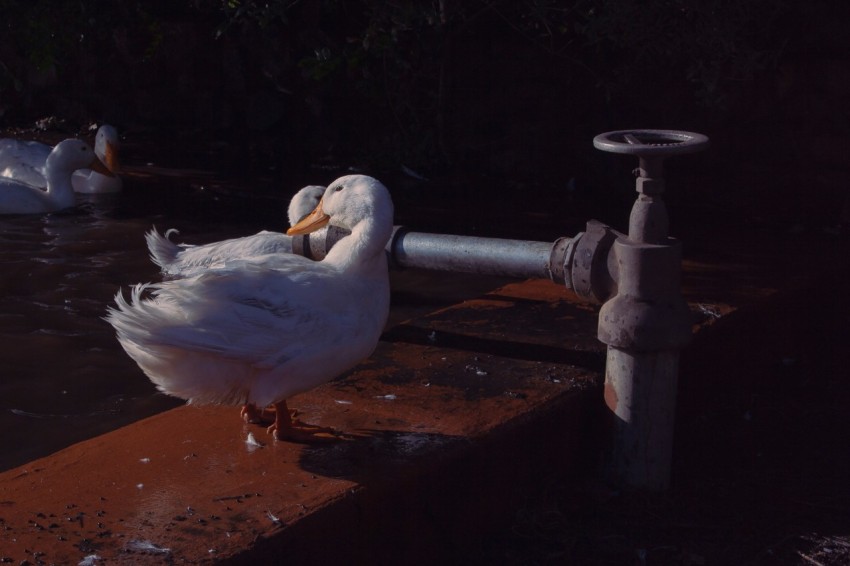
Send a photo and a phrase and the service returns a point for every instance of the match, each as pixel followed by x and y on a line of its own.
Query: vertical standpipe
pixel 646 322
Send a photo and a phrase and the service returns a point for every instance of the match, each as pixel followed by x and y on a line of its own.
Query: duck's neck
pixel 361 250
pixel 59 188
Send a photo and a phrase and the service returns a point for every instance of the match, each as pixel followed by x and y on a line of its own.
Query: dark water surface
pixel 63 375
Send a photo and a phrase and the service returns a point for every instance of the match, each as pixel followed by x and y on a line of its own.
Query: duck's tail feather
pixel 163 252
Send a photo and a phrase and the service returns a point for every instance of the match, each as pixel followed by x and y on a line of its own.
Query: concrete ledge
pixel 453 417
pixel 456 418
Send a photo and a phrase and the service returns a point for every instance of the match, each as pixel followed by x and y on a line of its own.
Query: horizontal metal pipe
pixel 467 254
pixel 470 254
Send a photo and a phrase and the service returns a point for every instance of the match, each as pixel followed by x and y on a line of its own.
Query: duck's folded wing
pixel 217 254
pixel 187 260
pixel 255 314
pixel 24 161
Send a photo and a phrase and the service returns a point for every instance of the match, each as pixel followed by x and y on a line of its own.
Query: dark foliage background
pixel 506 90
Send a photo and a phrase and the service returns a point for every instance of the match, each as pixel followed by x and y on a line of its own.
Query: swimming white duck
pixel 106 144
pixel 26 161
pixel 257 331
pixel 17 197
pixel 185 260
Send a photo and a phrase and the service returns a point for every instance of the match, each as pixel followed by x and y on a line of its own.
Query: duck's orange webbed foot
pixel 287 428
pixel 252 415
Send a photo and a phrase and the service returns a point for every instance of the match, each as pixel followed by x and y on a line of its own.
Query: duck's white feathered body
pixel 258 330
pixel 17 197
pixel 184 260
pixel 26 161
pixel 253 332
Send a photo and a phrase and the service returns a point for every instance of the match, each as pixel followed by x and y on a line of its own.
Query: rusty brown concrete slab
pixel 450 421
pixel 447 422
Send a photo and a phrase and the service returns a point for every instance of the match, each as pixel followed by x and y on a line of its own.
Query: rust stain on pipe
pixel 611 398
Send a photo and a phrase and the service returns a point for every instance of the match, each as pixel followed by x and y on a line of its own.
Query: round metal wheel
pixel 649 143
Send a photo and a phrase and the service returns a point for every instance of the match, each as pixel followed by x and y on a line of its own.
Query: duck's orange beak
pixel 98 166
pixel 310 223
pixel 110 157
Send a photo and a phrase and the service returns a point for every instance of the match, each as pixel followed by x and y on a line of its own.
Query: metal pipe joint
pixel 647 312
pixel 637 284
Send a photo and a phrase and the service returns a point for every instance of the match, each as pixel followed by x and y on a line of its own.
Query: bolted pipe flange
pixel 561 258
pixel 588 265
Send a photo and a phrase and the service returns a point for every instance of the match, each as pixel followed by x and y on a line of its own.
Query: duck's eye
pixel 339 188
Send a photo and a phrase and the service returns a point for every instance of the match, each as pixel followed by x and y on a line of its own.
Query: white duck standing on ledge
pixel 254 332
pixel 17 197
pixel 183 260
pixel 26 161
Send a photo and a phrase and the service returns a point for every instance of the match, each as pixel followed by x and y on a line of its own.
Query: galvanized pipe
pixel 470 254
pixel 467 254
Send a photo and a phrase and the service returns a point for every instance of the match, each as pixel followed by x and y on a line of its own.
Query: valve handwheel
pixel 651 143
pixel 648 221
